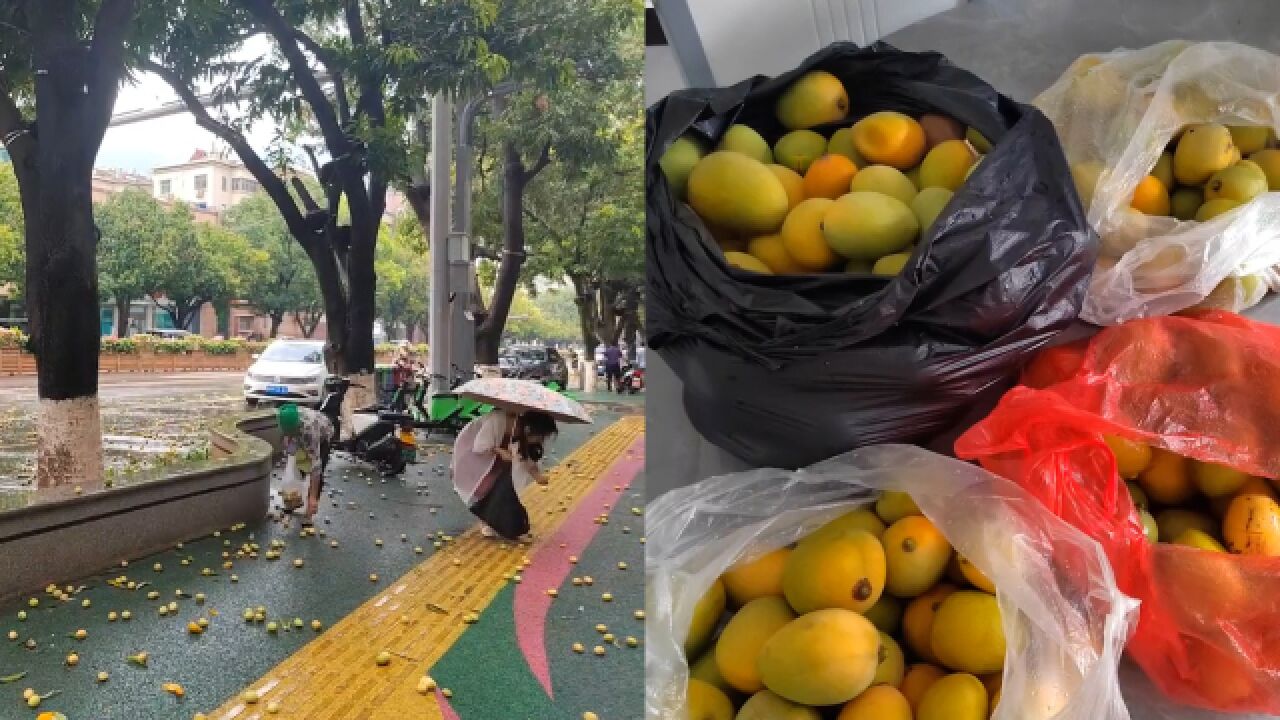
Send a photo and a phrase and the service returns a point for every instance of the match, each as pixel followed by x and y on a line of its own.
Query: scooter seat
pixel 395 417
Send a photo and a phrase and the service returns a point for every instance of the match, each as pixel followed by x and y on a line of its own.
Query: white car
pixel 287 371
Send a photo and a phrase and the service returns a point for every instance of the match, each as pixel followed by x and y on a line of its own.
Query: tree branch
pixel 544 159
pixel 330 64
pixel 285 36
pixel 271 183
pixel 369 103
pixel 106 57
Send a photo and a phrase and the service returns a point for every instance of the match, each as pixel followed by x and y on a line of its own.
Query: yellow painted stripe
pixel 334 676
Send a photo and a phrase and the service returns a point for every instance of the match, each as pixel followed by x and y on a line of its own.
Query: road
pixel 134 385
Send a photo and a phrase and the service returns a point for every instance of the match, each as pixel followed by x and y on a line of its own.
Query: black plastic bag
pixel 785 370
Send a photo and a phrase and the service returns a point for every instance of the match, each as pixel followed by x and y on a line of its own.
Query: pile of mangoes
pixel 1203 173
pixel 1204 505
pixel 856 201
pixel 871 617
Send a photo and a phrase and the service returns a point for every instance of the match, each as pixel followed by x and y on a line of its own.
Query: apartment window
pixel 166 187
pixel 224 184
pixel 202 183
pixel 244 324
pixel 243 185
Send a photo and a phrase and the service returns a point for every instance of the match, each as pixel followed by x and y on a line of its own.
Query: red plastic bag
pixel 1207 387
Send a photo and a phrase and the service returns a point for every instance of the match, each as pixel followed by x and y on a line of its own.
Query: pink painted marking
pixel 550 563
pixel 446 708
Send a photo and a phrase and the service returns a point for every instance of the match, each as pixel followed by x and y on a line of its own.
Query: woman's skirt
pixel 500 508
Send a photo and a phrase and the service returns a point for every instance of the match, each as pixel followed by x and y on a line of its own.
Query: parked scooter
pixel 380 437
pixel 632 381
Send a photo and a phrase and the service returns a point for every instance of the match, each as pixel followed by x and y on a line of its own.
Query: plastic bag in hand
pixel 1063 614
pixel 292 484
pixel 1115 114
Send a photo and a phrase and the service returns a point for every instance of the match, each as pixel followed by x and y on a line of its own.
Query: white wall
pixel 662 74
pixel 742 38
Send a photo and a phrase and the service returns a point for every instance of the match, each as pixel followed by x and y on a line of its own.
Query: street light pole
pixel 438 328
pixel 462 335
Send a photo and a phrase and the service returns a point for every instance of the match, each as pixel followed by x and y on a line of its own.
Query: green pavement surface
pixel 489 677
pixel 359 507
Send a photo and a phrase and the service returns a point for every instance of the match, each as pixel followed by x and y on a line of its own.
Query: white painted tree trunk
pixel 362 393
pixel 69 443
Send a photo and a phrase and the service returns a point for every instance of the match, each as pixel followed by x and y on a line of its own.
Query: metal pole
pixel 463 332
pixel 438 329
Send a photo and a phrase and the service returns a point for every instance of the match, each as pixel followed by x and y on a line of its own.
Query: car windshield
pixel 295 352
pixel 533 356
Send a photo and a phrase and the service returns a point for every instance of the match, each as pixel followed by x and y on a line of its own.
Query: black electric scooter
pixel 376 439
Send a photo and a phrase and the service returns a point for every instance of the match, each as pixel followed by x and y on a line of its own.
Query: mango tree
pixel 61 62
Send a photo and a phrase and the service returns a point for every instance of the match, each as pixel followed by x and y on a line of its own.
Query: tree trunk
pixel 514 180
pixel 585 302
pixel 223 310
pixel 276 319
pixel 75 90
pixel 409 331
pixel 62 303
pixel 122 317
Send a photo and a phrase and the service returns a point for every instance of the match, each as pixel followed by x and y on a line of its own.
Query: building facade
pixel 205 182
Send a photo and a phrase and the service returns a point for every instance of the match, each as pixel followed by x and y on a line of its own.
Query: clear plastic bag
pixel 1115 114
pixel 1065 619
pixel 292 485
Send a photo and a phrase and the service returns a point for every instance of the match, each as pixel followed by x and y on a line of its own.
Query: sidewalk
pixel 497 662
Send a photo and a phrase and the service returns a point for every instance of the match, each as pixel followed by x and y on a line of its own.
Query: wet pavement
pixel 325 577
pixel 148 420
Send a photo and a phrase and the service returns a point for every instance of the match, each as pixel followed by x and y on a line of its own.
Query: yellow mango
pixel 917 620
pixel 1167 479
pixel 845 571
pixel 761 577
pixel 917 554
pixel 886 614
pixel 892 506
pixel 1132 457
pixel 1252 525
pixel 863 519
pixel 1175 521
pixel 743 639
pixel 955 697
pixel 917 681
pixel 706 614
pixel 826 657
pixel 974 575
pixel 967 634
pixel 706 702
pixel 879 702
pixel 768 705
pixel 705 669
pixel 1217 480
pixel 892 662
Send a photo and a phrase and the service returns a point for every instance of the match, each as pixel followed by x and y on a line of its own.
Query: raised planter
pixel 16 362
pixel 56 539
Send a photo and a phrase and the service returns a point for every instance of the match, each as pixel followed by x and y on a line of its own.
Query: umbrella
pixel 521 395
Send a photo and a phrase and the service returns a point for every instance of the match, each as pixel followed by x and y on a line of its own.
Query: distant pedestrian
pixel 402 378
pixel 612 365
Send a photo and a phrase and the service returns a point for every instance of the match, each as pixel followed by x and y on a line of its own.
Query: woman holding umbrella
pixel 497 456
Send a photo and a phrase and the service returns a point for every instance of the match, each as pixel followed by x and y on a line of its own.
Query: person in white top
pixel 494 458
